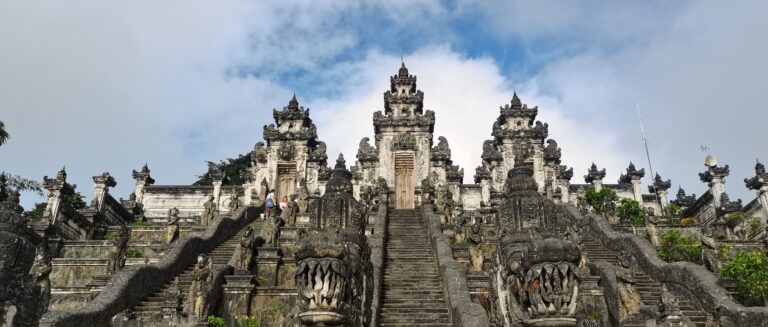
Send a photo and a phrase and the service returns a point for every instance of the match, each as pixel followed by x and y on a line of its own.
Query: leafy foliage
pixel 142 223
pixel 736 218
pixel 22 184
pixel 134 252
pixel 750 270
pixel 38 211
pixel 754 226
pixel 672 210
pixel 248 321
pixel 73 198
pixel 599 200
pixel 4 136
pixel 215 321
pixel 111 235
pixel 678 247
pixel 631 210
pixel 232 169
pixel 690 221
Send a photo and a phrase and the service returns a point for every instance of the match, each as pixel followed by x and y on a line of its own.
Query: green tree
pixel 678 247
pixel 672 210
pixel 73 198
pixel 631 211
pixel 21 184
pixel 4 136
pixel 38 211
pixel 750 270
pixel 599 200
pixel 232 168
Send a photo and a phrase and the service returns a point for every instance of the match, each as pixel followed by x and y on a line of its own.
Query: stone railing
pixel 464 312
pixel 691 277
pixel 376 242
pixel 131 284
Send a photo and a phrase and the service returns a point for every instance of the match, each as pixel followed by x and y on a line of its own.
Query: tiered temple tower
pixel 403 154
pixel 517 136
pixel 293 154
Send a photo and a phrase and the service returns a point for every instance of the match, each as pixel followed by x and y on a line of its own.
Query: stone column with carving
pixel 563 179
pixel 143 179
pixel 595 177
pixel 759 183
pixel 54 187
pixel 715 176
pixel 634 177
pixel 101 185
pixel 216 172
pixel 661 188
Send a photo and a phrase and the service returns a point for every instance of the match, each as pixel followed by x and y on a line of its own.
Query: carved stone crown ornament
pixel 632 174
pixel 593 174
pixel 404 141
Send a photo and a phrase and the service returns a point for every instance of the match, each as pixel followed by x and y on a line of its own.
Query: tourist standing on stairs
pixel 283 202
pixel 269 203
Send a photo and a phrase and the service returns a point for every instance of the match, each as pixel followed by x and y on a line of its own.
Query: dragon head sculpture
pixel 538 279
pixel 334 273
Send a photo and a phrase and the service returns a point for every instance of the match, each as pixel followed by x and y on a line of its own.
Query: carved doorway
pixel 286 180
pixel 404 192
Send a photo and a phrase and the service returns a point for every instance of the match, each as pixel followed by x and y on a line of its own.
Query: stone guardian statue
pixel 209 211
pixel 172 227
pixel 197 300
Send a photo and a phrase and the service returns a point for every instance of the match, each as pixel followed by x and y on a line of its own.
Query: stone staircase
pixel 650 290
pixel 220 255
pixel 412 290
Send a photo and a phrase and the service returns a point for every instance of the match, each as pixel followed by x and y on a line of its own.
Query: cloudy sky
pixel 109 86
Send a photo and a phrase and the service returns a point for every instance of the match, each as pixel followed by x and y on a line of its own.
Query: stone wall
pixel 464 312
pixel 376 242
pixel 157 199
pixel 693 278
pixel 130 285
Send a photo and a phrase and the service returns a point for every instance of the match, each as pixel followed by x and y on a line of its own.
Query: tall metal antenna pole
pixel 645 142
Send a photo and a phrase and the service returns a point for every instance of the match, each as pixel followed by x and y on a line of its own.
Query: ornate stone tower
pixel 292 154
pixel 517 136
pixel 403 153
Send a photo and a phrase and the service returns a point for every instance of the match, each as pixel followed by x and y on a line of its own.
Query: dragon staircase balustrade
pixel 23 293
pixel 334 273
pixel 536 273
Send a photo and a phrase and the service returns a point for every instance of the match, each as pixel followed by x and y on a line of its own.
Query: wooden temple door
pixel 404 192
pixel 286 181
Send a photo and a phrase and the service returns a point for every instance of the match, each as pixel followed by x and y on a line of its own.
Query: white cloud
pixel 107 87
pixel 698 76
pixel 465 94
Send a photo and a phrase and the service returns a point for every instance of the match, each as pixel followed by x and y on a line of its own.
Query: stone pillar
pixel 217 192
pixel 634 177
pixel 248 194
pixel 101 185
pixel 597 184
pixel 715 179
pixel 664 198
pixel 759 183
pixel 237 297
pixel 636 182
pixel 762 197
pixel 565 195
pixel 54 186
pixel 595 177
pixel 142 179
pixel 563 180
pixel 267 262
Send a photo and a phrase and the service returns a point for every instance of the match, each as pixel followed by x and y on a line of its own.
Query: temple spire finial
pixel 293 103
